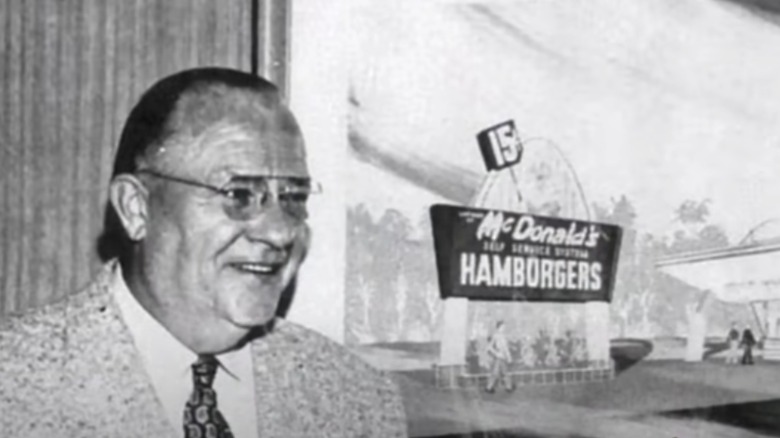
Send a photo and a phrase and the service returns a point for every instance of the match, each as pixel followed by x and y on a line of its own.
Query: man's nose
pixel 273 226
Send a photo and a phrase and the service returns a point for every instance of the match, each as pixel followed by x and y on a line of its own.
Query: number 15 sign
pixel 500 145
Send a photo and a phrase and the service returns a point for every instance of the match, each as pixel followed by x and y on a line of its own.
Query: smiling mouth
pixel 258 268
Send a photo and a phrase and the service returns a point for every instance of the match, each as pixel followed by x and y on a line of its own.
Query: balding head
pixel 177 110
pixel 182 106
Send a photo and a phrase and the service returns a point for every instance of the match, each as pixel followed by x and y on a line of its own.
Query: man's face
pixel 204 265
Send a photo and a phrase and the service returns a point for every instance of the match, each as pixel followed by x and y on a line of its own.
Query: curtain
pixel 70 72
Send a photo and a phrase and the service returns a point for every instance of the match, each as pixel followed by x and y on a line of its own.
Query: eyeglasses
pixel 243 198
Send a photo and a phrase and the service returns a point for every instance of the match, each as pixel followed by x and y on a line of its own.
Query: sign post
pixel 597 331
pixel 452 355
pixel 498 255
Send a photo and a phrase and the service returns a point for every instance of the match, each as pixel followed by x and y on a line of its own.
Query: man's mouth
pixel 258 268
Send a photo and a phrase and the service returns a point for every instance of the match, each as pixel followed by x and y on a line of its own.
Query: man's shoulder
pixel 291 341
pixel 320 380
pixel 34 346
pixel 28 341
pixel 40 331
pixel 36 323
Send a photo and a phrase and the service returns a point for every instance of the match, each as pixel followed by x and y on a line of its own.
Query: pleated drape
pixel 69 74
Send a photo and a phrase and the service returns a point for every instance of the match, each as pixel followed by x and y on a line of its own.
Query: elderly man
pixel 177 336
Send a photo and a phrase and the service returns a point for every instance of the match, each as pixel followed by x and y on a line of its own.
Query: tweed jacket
pixel 71 369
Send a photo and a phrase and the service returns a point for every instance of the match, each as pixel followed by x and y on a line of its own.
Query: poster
pixel 654 120
pixel 645 116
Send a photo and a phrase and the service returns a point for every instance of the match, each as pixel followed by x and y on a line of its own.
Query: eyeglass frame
pixel 312 188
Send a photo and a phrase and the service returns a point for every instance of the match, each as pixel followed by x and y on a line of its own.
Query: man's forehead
pixel 228 150
pixel 229 134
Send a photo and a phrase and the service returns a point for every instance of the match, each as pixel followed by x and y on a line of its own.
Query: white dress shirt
pixel 167 362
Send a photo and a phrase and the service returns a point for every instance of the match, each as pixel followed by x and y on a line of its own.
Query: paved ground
pixel 653 398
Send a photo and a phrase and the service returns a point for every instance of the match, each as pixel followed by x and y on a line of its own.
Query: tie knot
pixel 203 370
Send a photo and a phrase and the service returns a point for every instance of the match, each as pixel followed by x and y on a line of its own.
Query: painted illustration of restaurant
pixel 747 273
pixel 524 252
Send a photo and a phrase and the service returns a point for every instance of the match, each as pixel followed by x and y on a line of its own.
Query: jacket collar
pixel 112 391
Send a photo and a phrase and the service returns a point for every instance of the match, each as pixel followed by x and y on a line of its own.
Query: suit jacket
pixel 71 370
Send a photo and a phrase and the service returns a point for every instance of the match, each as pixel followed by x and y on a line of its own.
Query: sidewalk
pixel 651 399
pixel 660 396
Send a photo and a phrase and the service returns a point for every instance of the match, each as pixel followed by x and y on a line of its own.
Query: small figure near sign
pixel 748 342
pixel 732 356
pixel 500 359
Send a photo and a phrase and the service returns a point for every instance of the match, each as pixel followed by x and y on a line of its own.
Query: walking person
pixel 732 339
pixel 498 351
pixel 748 341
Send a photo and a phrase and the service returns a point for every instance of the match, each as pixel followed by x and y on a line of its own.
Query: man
pixel 748 341
pixel 177 337
pixel 498 350
pixel 732 339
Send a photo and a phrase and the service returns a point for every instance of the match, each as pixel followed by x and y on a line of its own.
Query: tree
pixel 693 212
pixel 628 281
pixel 391 247
pixel 359 281
pixel 392 289
pixel 647 302
pixel 695 233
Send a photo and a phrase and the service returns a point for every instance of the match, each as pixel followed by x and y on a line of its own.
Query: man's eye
pixel 241 196
pixel 294 197
pixel 294 202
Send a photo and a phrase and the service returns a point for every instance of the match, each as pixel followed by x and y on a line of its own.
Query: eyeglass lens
pixel 245 199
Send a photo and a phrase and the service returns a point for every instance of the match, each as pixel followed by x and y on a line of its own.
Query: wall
pixel 318 96
pixel 69 73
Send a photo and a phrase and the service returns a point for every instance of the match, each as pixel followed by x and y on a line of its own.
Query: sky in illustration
pixel 662 100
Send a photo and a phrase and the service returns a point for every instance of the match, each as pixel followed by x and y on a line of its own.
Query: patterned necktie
pixel 201 417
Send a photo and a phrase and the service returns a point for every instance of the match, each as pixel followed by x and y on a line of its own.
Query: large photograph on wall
pixel 656 120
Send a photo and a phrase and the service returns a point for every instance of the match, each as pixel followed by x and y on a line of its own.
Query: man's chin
pixel 252 308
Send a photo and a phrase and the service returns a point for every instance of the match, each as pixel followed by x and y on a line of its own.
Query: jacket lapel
pixel 296 392
pixel 112 393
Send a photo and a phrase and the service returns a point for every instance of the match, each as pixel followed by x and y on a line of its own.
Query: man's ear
pixel 129 198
